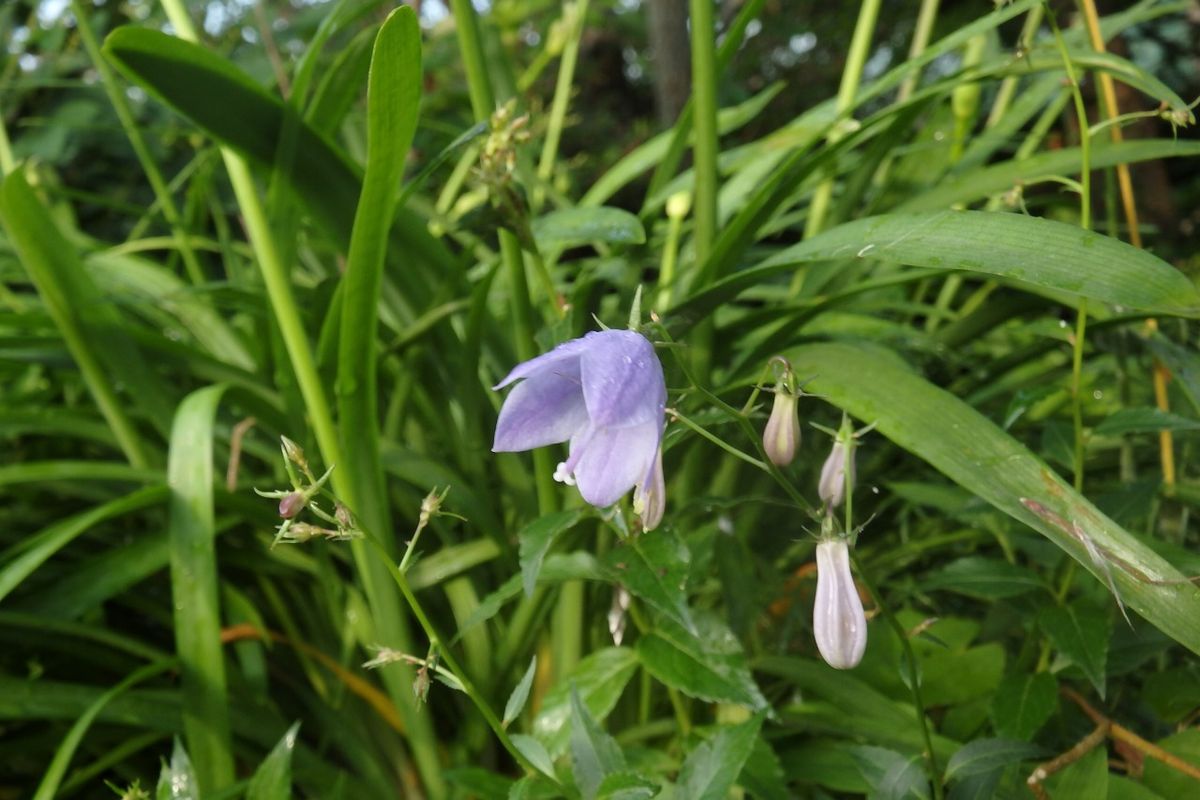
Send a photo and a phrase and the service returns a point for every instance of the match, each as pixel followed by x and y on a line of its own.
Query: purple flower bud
pixel 650 499
pixel 606 395
pixel 832 488
pixel 839 623
pixel 292 504
pixel 781 437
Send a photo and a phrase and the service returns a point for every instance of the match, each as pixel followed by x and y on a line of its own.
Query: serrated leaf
pixel 655 569
pixel 535 751
pixel 984 755
pixel 273 778
pixel 1080 634
pixel 535 540
pixel 600 678
pixel 684 662
pixel 516 701
pixel 177 780
pixel 984 578
pixel 571 227
pixel 1022 704
pixel 594 753
pixel 712 768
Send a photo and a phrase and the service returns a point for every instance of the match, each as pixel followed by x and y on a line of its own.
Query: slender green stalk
pixel 718 441
pixel 483 100
pixel 133 132
pixel 1085 222
pixel 860 46
pixel 575 14
pixel 7 163
pixel 704 127
pixel 926 16
pixel 1008 86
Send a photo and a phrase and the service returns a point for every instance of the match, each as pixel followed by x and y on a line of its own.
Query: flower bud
pixel 839 623
pixel 650 498
pixel 834 474
pixel 679 204
pixel 293 452
pixel 781 437
pixel 292 504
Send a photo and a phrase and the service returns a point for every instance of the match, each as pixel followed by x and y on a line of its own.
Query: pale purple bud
pixel 605 394
pixel 292 504
pixel 839 623
pixel 781 437
pixel 834 474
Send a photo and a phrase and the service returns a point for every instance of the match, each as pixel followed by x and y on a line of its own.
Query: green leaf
pixel 626 786
pixel 1087 777
pixel 535 540
pixel 594 754
pixel 1166 780
pixel 712 768
pixel 1022 704
pixel 995 178
pixel 516 701
pixel 177 781
pixel 535 751
pixel 892 775
pixel 197 613
pixel 51 780
pixel 655 569
pixel 950 678
pixel 1080 634
pixel 1144 420
pixel 984 755
pixel 97 337
pixel 233 109
pixel 975 453
pixel 273 778
pixel 1173 693
pixel 984 578
pixel 571 227
pixel 704 666
pixel 21 561
pixel 599 678
pixel 1026 250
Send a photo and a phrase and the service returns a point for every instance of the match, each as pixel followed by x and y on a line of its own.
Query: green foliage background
pixel 222 224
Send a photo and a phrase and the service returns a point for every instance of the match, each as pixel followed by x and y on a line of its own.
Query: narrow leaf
pixel 535 540
pixel 273 778
pixel 594 753
pixel 516 701
pixel 712 768
pixel 984 755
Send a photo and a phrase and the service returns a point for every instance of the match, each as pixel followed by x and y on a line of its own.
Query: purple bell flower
pixel 604 393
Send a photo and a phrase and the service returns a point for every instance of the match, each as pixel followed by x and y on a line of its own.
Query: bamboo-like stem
pixel 704 127
pixel 576 13
pixel 1112 110
pixel 860 46
pixel 921 33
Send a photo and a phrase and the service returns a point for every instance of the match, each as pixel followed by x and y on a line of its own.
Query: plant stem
pixel 925 19
pixel 860 45
pixel 704 126
pixel 575 14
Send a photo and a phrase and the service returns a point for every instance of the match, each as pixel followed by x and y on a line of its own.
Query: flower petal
pixel 556 357
pixel 614 460
pixel 839 624
pixel 546 408
pixel 623 381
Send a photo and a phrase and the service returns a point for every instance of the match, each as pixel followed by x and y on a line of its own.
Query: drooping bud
pixel 292 504
pixel 836 473
pixel 839 622
pixel 781 437
pixel 650 499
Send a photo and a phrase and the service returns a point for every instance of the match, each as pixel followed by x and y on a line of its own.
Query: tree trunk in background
pixel 672 57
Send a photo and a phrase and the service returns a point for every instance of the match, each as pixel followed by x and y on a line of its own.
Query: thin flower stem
pixel 718 441
pixel 934 770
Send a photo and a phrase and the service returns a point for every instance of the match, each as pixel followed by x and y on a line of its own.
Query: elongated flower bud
pixel 650 499
pixel 781 437
pixel 839 623
pixel 834 474
pixel 292 504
